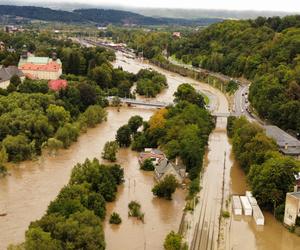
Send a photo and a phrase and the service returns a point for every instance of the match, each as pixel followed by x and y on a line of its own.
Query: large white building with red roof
pixel 40 67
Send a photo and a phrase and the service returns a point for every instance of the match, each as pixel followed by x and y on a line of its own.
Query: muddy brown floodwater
pixel 244 234
pixel 26 193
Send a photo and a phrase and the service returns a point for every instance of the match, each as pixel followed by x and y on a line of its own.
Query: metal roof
pixel 7 73
pixel 281 137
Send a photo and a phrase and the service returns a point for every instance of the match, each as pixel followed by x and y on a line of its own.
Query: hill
pixel 97 16
pixel 266 51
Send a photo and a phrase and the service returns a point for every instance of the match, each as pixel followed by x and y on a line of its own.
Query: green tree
pixel 134 123
pixel 17 147
pixel 186 92
pixel 67 134
pixel 123 136
pixel 166 187
pixel 57 115
pixel 110 150
pixel 36 238
pixel 271 180
pixel 93 115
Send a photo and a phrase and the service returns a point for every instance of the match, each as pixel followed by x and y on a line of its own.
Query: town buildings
pixel 7 73
pixel 292 208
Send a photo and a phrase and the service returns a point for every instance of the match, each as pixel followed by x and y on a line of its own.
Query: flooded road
pixel 244 234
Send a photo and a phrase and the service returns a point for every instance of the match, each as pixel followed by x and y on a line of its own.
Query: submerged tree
pixel 110 150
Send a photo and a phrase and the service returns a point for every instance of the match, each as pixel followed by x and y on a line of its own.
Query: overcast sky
pixel 277 5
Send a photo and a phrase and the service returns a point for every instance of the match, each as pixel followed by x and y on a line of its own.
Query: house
pixel 40 67
pixel 57 85
pixel 176 34
pixel 155 155
pixel 166 167
pixel 287 144
pixel 7 73
pixel 292 208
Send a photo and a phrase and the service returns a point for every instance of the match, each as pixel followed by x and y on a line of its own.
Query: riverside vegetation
pixel 74 219
pixel 269 173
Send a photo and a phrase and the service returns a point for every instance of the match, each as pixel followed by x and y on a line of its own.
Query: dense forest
pixel 269 173
pixel 98 16
pixel 265 50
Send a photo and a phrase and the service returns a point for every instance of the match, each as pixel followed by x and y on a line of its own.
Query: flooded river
pixel 32 185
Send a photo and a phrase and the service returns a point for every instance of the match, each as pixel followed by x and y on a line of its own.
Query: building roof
pixel 7 73
pixel 283 139
pixel 57 84
pixel 37 60
pixel 50 67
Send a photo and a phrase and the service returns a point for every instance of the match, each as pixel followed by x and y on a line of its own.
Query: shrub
pixel 135 210
pixel 279 212
pixel 173 241
pixel 225 214
pixel 147 165
pixel 115 219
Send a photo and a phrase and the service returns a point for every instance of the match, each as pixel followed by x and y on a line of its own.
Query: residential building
pixel 287 144
pixel 40 67
pixel 176 34
pixel 155 155
pixel 166 167
pixel 292 208
pixel 7 73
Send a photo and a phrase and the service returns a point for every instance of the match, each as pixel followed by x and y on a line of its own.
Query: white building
pixel 40 67
pixel 292 208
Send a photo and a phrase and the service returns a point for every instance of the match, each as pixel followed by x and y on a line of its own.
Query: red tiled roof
pixel 51 67
pixel 57 84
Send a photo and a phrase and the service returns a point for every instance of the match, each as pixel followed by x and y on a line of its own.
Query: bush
pixel 135 210
pixel 166 187
pixel 173 241
pixel 123 136
pixel 279 212
pixel 147 165
pixel 115 219
pixel 225 214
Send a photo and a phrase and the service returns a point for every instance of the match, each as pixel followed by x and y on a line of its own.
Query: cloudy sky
pixel 278 5
pixel 275 5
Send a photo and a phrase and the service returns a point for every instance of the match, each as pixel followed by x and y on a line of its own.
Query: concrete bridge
pixel 148 103
pixel 156 104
